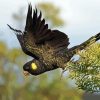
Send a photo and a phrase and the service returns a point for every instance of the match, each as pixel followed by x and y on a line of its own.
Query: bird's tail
pixel 84 45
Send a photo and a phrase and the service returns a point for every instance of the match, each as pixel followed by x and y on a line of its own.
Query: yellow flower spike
pixel 33 65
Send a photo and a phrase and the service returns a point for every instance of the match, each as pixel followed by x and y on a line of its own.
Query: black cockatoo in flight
pixel 49 48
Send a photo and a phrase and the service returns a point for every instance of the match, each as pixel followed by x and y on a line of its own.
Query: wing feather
pixel 25 50
pixel 41 35
pixel 37 37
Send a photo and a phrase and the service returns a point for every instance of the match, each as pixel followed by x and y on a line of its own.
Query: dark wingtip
pixel 98 36
pixel 40 15
pixel 29 4
pixel 35 7
pixel 10 27
pixel 14 29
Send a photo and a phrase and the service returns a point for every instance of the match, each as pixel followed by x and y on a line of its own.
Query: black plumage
pixel 49 48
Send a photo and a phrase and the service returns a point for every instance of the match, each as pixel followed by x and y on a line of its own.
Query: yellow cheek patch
pixel 33 65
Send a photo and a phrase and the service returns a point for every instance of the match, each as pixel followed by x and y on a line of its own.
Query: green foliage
pixel 86 70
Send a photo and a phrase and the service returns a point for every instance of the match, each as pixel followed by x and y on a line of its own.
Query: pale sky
pixel 82 18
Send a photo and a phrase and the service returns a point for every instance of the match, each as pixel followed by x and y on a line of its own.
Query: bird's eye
pixel 33 66
pixel 26 68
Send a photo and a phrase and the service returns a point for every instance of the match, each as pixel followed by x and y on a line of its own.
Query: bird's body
pixel 49 48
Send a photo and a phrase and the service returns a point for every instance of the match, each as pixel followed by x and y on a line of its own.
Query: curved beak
pixel 26 73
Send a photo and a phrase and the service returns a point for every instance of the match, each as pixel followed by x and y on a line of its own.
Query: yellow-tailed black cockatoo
pixel 49 48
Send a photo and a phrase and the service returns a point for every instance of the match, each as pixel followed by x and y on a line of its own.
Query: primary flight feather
pixel 49 48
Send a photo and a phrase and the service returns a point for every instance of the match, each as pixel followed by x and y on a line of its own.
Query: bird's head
pixel 33 67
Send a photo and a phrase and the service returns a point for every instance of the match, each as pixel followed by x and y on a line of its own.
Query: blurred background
pixel 79 19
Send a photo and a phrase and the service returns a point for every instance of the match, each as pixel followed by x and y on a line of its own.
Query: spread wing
pixel 20 36
pixel 37 36
pixel 38 32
